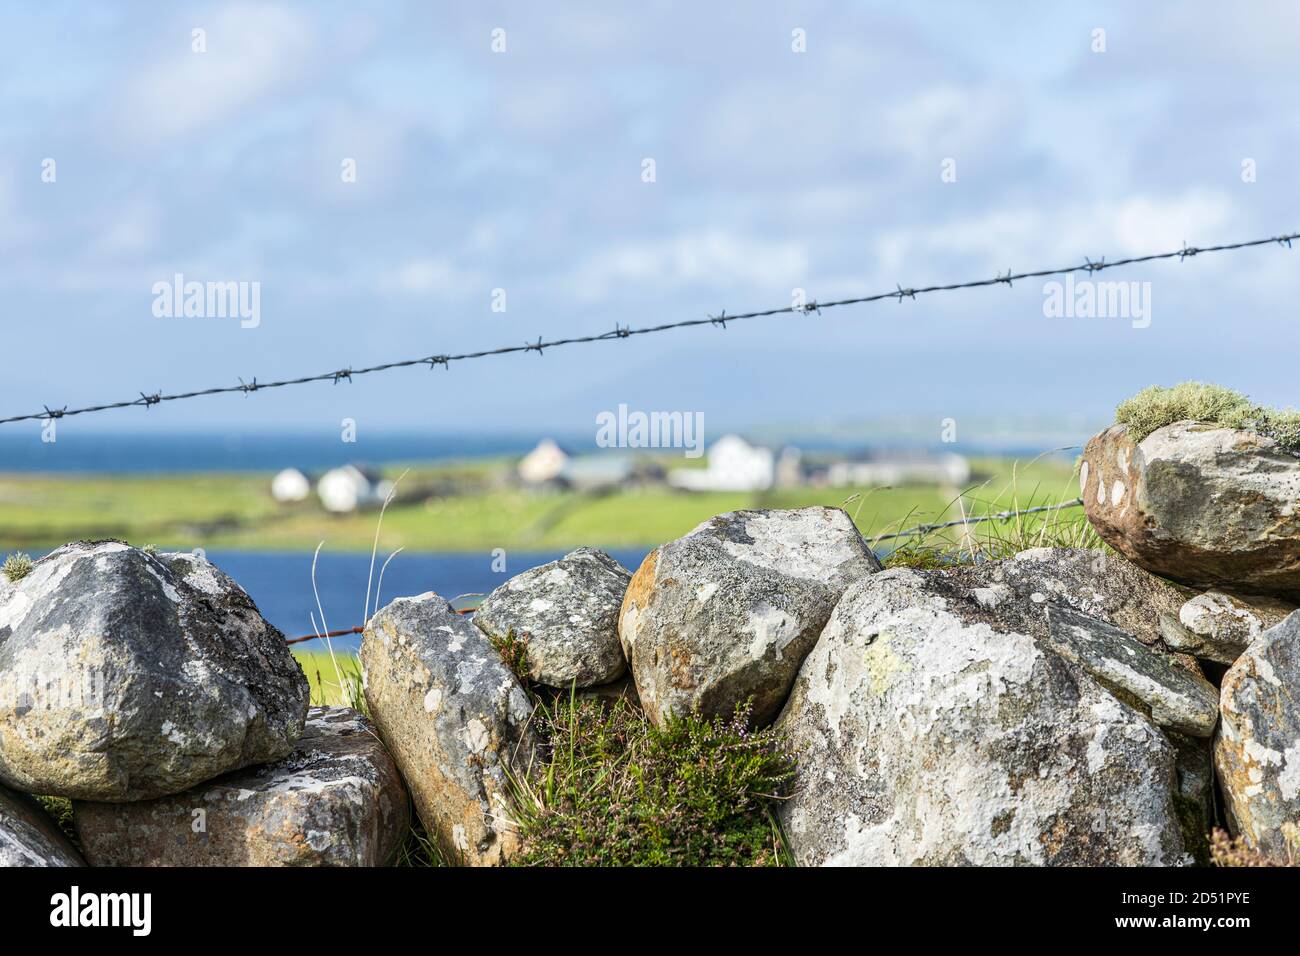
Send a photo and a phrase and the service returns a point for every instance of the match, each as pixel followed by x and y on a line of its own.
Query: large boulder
pixel 125 676
pixel 1218 626
pixel 1257 751
pixel 337 800
pixel 728 613
pixel 1198 503
pixel 28 837
pixel 454 718
pixel 929 731
pixel 567 611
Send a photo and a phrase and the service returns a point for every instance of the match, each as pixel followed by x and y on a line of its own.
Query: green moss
pixel 617 791
pixel 1157 406
pixel 60 811
pixel 16 567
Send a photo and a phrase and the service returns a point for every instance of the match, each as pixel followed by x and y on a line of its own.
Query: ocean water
pixel 129 453
pixel 280 583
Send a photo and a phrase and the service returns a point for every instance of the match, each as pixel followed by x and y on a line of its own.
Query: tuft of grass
pixel 344 689
pixel 980 536
pixel 514 654
pixel 419 850
pixel 618 791
pixel 16 567
pixel 1157 406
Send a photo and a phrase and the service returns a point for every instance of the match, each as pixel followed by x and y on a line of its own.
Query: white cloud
pixel 1027 237
pixel 945 120
pixel 715 257
pixel 426 276
pixel 251 49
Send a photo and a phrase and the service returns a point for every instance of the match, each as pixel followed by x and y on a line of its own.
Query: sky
pixel 902 144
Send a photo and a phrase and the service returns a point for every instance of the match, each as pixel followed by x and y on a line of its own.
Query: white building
pixel 347 489
pixel 947 469
pixel 733 465
pixel 543 464
pixel 290 485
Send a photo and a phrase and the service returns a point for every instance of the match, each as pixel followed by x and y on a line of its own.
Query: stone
pixel 1095 583
pixel 930 732
pixel 1201 504
pixel 336 800
pixel 1257 750
pixel 727 613
pixel 28 837
pixel 129 676
pixel 568 612
pixel 1218 626
pixel 1141 677
pixel 454 718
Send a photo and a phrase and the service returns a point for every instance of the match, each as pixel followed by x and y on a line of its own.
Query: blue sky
pixel 522 170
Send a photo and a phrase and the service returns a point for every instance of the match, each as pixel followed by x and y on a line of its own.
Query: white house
pixel 348 488
pixel 733 465
pixel 904 469
pixel 290 485
pixel 543 464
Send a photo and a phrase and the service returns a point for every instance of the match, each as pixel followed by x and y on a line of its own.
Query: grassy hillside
pixel 467 512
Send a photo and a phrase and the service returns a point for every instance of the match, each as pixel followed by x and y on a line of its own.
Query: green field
pixel 236 511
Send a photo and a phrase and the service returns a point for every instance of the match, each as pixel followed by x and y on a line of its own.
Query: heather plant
pixel 617 791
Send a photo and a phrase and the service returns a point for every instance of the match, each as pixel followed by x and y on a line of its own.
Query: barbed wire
pixel 923 529
pixel 149 399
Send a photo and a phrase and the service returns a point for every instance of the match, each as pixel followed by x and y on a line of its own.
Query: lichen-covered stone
pixel 1095 583
pixel 1198 503
pixel 1218 626
pixel 125 676
pixel 1257 750
pixel 337 800
pixel 28 837
pixel 728 612
pixel 568 611
pixel 454 718
pixel 1146 679
pixel 929 733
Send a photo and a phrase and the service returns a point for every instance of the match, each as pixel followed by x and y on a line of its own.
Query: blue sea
pixel 161 453
pixel 280 583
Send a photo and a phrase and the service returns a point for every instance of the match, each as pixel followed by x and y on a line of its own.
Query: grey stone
pixel 28 837
pixel 1095 583
pixel 454 718
pixel 568 612
pixel 337 800
pixel 929 732
pixel 1144 678
pixel 1257 750
pixel 125 676
pixel 728 612
pixel 1218 626
pixel 1202 504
